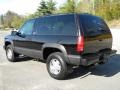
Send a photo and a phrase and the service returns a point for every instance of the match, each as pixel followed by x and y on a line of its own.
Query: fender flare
pixel 10 41
pixel 57 46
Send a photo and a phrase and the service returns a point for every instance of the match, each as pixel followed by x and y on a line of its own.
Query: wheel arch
pixel 8 43
pixel 49 48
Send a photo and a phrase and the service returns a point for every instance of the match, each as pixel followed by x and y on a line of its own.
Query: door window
pixel 27 28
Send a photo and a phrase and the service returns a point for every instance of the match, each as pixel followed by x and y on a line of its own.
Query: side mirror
pixel 14 33
pixel 21 35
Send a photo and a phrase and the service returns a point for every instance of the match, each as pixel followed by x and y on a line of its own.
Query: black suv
pixel 63 41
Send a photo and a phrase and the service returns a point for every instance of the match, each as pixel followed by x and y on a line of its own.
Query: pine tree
pixel 68 7
pixel 46 8
pixel 42 9
pixel 51 6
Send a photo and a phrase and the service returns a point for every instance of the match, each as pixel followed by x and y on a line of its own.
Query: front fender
pixel 8 40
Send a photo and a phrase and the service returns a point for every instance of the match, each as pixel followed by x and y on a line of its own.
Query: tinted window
pixel 65 25
pixel 44 26
pixel 93 25
pixel 56 25
pixel 27 28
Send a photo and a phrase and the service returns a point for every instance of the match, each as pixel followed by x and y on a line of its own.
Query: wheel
pixel 11 55
pixel 56 65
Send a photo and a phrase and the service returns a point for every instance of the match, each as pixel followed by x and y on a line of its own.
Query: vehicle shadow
pixel 23 59
pixel 108 69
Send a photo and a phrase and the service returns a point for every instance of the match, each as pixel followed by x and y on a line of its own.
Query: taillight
pixel 80 44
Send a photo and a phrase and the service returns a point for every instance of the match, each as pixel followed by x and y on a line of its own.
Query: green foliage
pixel 11 19
pixel 8 18
pixel 104 11
pixel 42 9
pixel 107 9
pixel 115 10
pixel 2 20
pixel 68 7
pixel 51 6
pixel 84 7
pixel 17 21
pixel 46 8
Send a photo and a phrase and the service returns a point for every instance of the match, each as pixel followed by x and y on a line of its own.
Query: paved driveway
pixel 32 75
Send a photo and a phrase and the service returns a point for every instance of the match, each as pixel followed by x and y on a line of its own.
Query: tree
pixel 17 21
pixel 46 8
pixel 115 9
pixel 68 7
pixel 51 6
pixel 12 19
pixel 8 18
pixel 108 9
pixel 2 20
pixel 84 6
pixel 42 9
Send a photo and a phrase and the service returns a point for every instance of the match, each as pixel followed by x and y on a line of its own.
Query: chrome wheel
pixel 55 66
pixel 9 53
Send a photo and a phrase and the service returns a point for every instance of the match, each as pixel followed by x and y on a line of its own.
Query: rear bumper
pixel 90 59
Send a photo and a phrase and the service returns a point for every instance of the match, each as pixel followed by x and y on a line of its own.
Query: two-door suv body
pixel 64 41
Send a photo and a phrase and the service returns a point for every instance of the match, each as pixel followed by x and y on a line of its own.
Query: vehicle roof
pixel 52 15
pixel 67 14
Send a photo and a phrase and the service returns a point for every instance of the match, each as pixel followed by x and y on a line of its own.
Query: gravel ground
pixel 32 75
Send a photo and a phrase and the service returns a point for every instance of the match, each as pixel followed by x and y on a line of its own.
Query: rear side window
pixel 93 25
pixel 44 26
pixel 66 25
pixel 56 25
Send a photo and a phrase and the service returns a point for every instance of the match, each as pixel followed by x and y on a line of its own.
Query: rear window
pixel 93 25
pixel 56 25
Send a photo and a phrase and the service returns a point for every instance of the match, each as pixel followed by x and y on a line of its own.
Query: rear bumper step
pixel 90 59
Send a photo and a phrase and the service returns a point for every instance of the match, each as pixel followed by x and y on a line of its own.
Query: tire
pixel 10 54
pixel 56 66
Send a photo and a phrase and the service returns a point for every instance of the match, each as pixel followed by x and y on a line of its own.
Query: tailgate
pixel 95 44
pixel 97 35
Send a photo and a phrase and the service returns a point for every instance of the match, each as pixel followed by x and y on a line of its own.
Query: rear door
pixel 96 32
